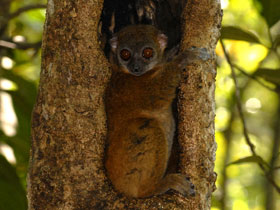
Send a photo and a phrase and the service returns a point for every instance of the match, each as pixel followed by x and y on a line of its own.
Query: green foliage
pixel 251 36
pixel 235 33
pixel 20 68
pixel 250 159
pixel 270 75
pixel 270 11
pixel 12 194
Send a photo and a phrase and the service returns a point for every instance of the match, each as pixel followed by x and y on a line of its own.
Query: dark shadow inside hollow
pixel 163 14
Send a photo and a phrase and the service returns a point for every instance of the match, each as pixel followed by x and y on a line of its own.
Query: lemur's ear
pixel 114 43
pixel 162 39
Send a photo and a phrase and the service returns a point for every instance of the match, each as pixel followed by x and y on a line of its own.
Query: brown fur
pixel 140 121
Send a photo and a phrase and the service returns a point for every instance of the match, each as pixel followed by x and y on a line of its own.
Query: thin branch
pixel 254 78
pixel 17 13
pixel 276 168
pixel 238 102
pixel 25 9
pixel 19 45
pixel 240 111
pixel 228 142
pixel 6 44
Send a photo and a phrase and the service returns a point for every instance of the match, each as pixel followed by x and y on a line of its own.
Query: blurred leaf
pixel 235 33
pixel 26 89
pixel 270 11
pixel 21 147
pixel 249 159
pixel 12 194
pixel 276 168
pixel 271 75
pixel 23 110
pixel 276 42
pixel 23 100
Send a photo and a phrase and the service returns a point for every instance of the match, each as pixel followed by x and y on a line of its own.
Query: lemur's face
pixel 138 51
pixel 137 59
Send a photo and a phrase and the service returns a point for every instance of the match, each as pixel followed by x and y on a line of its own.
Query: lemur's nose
pixel 136 68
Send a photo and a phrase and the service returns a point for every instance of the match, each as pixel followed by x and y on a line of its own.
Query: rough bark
pixel 69 121
pixel 197 101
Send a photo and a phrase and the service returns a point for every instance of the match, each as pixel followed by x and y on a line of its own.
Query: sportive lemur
pixel 139 112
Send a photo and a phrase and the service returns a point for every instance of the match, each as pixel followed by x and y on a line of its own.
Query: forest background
pixel 247 102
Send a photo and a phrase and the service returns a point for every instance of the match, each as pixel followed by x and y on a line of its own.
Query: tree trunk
pixel 197 101
pixel 69 120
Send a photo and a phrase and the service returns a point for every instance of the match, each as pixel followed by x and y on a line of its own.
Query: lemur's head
pixel 138 48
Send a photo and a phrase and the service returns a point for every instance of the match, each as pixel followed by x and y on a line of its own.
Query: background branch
pixel 20 45
pixel 17 13
pixel 241 114
pixel 25 9
pixel 254 78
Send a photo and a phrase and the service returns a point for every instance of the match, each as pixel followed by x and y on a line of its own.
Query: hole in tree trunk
pixel 163 14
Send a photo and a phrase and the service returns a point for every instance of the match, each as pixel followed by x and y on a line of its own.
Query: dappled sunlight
pixel 8 152
pixel 224 4
pixel 222 117
pixel 240 205
pixel 7 115
pixel 7 63
pixel 246 55
pixel 245 188
pixel 19 38
pixel 253 105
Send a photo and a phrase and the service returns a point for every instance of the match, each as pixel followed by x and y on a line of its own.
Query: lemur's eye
pixel 125 54
pixel 148 53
